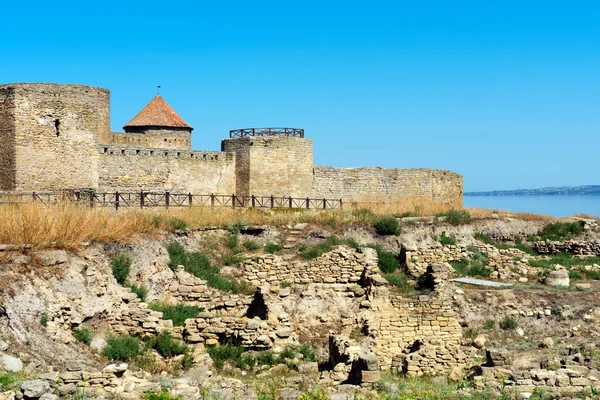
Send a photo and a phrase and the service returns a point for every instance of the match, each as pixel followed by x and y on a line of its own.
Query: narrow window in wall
pixel 151 152
pixel 137 152
pixel 122 152
pixel 178 154
pixel 57 127
pixel 105 150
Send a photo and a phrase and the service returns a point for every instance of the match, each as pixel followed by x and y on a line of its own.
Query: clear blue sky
pixel 506 93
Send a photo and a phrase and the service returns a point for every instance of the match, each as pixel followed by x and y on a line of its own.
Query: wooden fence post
pixel 307 203
pixel 290 201
pixel 212 200
pixel 116 201
pixel 233 200
pixel 142 199
pixel 272 202
pixel 189 199
pixel 167 195
pixel 324 204
pixel 341 205
pixel 253 201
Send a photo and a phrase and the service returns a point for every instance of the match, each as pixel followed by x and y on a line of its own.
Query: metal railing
pixel 148 199
pixel 295 132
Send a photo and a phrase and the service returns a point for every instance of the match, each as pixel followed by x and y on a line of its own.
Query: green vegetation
pixel 177 224
pixel 566 260
pixel 364 215
pixel 474 267
pixel 162 395
pixel 560 230
pixel 121 348
pixel 393 387
pixel 140 290
pixel 177 313
pixel 386 261
pixel 235 227
pixel 238 357
pixel 503 246
pixel 489 324
pixel 232 259
pixel 401 281
pixel 272 248
pixel 251 245
pixel 509 322
pixel 44 319
pixel 457 217
pixel 387 226
pixel 84 335
pixel 314 251
pixel 199 265
pixel 166 346
pixel 121 265
pixel 446 240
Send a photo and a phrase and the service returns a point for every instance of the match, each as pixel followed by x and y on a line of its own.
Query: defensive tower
pixel 275 161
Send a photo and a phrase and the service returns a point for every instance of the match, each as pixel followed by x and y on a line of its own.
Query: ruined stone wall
pixel 398 322
pixel 56 129
pixel 366 184
pixel 278 166
pixel 155 138
pixel 342 265
pixel 7 142
pixel 136 168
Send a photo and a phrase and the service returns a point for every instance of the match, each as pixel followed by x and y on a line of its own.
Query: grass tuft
pixel 177 313
pixel 121 265
pixel 83 335
pixel 457 217
pixel 387 226
pixel 140 290
pixel 121 348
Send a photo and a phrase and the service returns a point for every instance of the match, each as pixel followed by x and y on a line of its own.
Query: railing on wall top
pixel 295 132
pixel 147 199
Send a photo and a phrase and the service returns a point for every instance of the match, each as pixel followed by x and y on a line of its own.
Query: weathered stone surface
pixel 10 363
pixel 34 389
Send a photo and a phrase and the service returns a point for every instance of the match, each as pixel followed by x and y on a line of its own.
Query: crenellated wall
pixel 157 138
pixel 136 168
pixel 366 184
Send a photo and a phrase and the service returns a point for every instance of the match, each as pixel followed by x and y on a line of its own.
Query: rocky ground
pixel 309 312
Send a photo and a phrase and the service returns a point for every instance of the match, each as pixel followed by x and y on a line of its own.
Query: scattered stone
pixel 547 343
pixel 558 278
pixel 479 342
pixel 34 389
pixel 10 363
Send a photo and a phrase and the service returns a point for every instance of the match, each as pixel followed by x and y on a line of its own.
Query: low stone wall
pixel 587 248
pixel 397 323
pixel 343 265
pixel 139 320
pixel 188 289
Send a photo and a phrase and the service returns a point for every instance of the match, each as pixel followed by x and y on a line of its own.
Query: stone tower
pixel 271 161
pixel 50 135
pixel 160 126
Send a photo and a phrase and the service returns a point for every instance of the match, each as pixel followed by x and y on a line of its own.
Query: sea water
pixel 554 205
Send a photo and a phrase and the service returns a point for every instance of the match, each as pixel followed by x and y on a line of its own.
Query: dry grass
pixel 487 213
pixel 67 225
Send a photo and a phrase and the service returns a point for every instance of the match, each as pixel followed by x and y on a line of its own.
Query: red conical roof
pixel 158 113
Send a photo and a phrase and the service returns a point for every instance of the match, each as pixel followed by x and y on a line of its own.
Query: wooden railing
pixel 237 133
pixel 147 199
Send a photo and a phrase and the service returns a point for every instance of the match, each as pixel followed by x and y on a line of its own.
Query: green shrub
pixel 307 352
pixel 121 348
pixel 177 224
pixel 234 227
pixel 446 240
pixel 251 245
pixel 84 335
pixel 140 290
pixel 177 313
pixel 162 395
pixel 475 267
pixel 199 265
pixel 400 280
pixel 509 322
pixel 226 352
pixel 121 265
pixel 44 319
pixel 566 260
pixel 157 221
pixel 232 259
pixel 166 346
pixel 387 262
pixel 272 248
pixel 311 252
pixel 456 217
pixel 560 230
pixel 266 357
pixel 489 324
pixel 233 241
pixel 387 226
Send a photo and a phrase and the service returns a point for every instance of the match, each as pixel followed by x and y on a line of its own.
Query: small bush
pixel 266 357
pixel 387 262
pixel 364 215
pixel 475 267
pixel 121 265
pixel 489 324
pixel 457 217
pixel 121 348
pixel 307 352
pixel 44 319
pixel 560 230
pixel 177 224
pixel 177 255
pixel 233 241
pixel 401 281
pixel 162 395
pixel 140 290
pixel 166 346
pixel 177 313
pixel 234 227
pixel 157 221
pixel 311 252
pixel 387 226
pixel 446 240
pixel 225 352
pixel 232 259
pixel 272 248
pixel 84 335
pixel 508 323
pixel 251 245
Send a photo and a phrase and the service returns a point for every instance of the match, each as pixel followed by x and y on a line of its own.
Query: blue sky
pixel 506 93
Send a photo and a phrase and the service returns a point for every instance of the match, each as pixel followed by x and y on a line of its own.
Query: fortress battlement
pixel 58 136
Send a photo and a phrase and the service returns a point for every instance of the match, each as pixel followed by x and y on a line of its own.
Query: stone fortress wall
pixel 58 137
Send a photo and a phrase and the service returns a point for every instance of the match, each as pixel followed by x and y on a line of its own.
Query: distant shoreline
pixel 549 191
